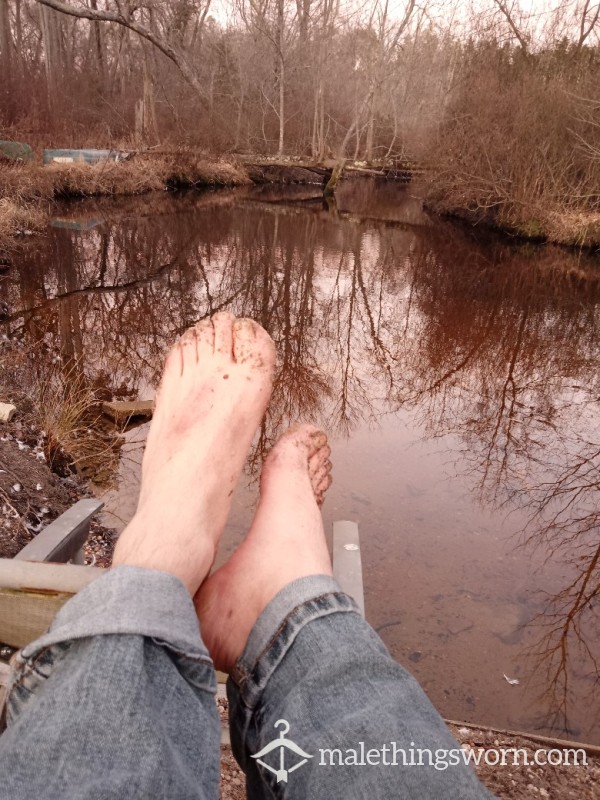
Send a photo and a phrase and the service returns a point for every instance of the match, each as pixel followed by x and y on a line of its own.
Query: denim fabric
pixel 313 663
pixel 117 701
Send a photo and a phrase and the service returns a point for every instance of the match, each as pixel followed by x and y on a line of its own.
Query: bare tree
pixel 276 21
pixel 166 37
pixel 589 16
pixel 511 13
pixel 6 52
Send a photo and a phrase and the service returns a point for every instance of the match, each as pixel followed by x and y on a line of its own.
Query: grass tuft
pixel 59 403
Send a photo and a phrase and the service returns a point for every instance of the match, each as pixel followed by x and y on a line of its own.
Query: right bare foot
pixel 215 388
pixel 286 542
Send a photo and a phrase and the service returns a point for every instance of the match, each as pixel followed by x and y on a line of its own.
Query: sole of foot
pixel 286 541
pixel 216 385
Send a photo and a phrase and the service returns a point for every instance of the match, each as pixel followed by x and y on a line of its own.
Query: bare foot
pixel 286 542
pixel 214 391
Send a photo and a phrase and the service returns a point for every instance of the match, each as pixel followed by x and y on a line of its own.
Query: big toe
pixel 252 344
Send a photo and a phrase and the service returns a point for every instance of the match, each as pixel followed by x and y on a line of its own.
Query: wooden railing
pixel 64 538
pixel 38 581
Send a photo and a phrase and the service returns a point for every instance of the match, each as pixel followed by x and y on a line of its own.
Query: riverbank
pixel 26 191
pixel 563 226
pixel 508 782
pixel 53 444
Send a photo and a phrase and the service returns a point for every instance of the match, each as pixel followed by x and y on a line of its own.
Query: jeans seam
pixel 206 661
pixel 28 666
pixel 241 675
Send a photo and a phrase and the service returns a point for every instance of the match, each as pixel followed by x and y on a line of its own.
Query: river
pixel 456 373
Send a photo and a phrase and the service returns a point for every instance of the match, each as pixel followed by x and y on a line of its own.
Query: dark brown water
pixel 456 374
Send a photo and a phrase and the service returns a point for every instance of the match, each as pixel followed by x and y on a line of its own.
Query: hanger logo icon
pixel 284 746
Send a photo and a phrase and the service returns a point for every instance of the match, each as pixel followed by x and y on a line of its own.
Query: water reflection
pixel 415 343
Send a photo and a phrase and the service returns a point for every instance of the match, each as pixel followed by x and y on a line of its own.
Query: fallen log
pixel 122 412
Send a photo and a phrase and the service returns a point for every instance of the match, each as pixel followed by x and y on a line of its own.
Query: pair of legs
pixel 117 699
pixel 214 393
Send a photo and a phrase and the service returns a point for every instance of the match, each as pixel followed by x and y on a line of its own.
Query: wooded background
pixel 502 103
pixel 291 76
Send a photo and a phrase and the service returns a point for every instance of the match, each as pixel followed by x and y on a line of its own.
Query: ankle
pixel 191 565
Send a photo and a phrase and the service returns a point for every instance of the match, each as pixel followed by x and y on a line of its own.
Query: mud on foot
pixel 286 541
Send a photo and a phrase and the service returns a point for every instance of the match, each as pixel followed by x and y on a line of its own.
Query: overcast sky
pixel 532 16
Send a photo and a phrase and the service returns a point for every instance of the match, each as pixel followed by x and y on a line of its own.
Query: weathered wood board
pixel 31 593
pixel 347 563
pixel 26 615
pixel 62 539
pixel 122 412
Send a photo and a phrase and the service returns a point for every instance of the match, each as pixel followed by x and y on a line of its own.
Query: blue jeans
pixel 117 701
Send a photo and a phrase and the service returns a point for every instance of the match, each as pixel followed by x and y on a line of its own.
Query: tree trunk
pixel 337 173
pixel 96 37
pixel 370 133
pixel 6 63
pixel 51 37
pixel 281 60
pixel 18 26
pixel 150 126
pixel 314 148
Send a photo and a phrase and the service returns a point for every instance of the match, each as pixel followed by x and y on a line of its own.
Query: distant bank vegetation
pixel 502 106
pixel 24 188
pixel 520 144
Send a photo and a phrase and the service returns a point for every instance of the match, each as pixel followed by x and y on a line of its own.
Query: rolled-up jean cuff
pixel 129 600
pixel 274 632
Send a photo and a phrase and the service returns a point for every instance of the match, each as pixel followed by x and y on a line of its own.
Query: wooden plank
pixel 44 577
pixel 31 594
pixel 347 563
pixel 121 412
pixel 26 615
pixel 62 539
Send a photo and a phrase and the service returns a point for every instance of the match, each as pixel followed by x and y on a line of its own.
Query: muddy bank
pixel 27 189
pixel 505 782
pixel 32 496
pixel 49 450
pixel 574 229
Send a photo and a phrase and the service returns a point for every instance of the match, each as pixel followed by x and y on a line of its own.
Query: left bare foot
pixel 286 542
pixel 214 392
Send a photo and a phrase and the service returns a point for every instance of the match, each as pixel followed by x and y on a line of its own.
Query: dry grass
pixel 576 228
pixel 25 183
pixel 189 169
pixel 145 173
pixel 105 178
pixel 60 404
pixel 564 226
pixel 18 217
pixel 66 410
pixel 24 187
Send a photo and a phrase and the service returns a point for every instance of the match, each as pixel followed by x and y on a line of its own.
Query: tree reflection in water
pixel 374 309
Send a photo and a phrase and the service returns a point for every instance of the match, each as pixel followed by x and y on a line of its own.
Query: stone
pixel 121 412
pixel 7 412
